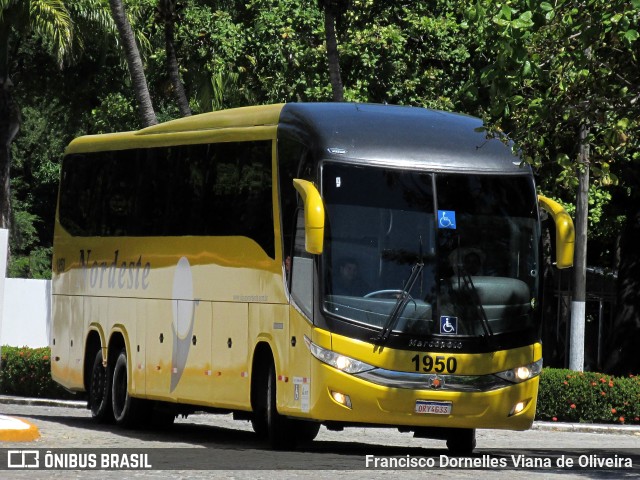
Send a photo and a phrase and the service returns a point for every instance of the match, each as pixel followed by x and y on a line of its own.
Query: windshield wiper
pixel 401 302
pixel 468 283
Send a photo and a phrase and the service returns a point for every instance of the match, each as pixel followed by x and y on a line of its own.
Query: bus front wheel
pixel 306 432
pixel 267 422
pixel 462 441
pixel 282 432
pixel 124 406
pixel 100 391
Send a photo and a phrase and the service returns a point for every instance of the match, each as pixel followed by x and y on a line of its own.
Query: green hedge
pixel 564 395
pixel 27 372
pixel 568 396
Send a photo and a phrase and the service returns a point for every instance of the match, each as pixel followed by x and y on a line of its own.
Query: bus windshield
pixel 455 253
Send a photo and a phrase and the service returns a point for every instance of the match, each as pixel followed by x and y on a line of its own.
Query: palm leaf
pixel 51 20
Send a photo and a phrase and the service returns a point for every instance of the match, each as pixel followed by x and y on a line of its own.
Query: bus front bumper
pixel 344 398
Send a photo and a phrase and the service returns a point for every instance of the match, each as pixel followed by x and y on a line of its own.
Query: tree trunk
pixel 332 54
pixel 9 126
pixel 174 71
pixel 578 304
pixel 136 70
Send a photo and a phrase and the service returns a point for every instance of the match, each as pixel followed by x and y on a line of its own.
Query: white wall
pixel 26 313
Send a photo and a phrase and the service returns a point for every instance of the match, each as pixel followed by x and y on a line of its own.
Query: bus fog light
pixel 519 407
pixel 341 398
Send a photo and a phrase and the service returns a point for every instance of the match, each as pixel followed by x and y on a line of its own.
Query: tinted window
pixel 379 226
pixel 218 190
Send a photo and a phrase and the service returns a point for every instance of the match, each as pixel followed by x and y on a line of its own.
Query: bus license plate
pixel 431 407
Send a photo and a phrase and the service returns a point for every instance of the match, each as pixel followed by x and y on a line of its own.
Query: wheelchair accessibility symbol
pixel 447 219
pixel 449 325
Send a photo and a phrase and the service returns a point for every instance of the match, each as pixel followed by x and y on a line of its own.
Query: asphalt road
pixel 216 446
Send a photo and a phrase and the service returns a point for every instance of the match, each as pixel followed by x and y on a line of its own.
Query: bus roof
pixel 411 137
pixel 176 131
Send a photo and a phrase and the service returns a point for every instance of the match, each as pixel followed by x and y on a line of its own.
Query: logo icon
pixel 23 459
pixel 448 325
pixel 436 382
pixel 447 219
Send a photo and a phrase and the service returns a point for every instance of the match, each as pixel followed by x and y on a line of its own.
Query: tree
pixel 562 81
pixel 333 9
pixel 281 57
pixel 49 19
pixel 167 14
pixel 410 53
pixel 134 61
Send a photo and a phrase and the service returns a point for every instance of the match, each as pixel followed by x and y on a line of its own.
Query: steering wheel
pixel 394 294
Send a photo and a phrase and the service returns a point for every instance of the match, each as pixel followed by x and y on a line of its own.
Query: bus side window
pixel 294 161
pixel 302 270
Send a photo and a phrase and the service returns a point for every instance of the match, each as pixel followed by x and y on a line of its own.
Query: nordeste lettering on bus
pixel 130 275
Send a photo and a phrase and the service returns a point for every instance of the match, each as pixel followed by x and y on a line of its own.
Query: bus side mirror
pixel 565 233
pixel 313 216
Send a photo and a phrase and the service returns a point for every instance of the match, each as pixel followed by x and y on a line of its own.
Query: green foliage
pixel 601 224
pixel 36 264
pixel 541 71
pixel 116 112
pixel 49 19
pixel 533 70
pixel 284 57
pixel 551 68
pixel 568 396
pixel 28 259
pixel 27 372
pixel 396 53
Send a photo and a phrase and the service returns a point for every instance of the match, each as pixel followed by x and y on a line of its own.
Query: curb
pixel 42 402
pixel 17 430
pixel 587 428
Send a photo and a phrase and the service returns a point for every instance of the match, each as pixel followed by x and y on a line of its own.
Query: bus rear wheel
pixel 125 408
pixel 100 391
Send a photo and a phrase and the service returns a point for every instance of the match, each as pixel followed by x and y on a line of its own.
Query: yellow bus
pixel 299 265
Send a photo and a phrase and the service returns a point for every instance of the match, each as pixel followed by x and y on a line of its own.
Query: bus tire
pixel 100 391
pixel 267 422
pixel 305 431
pixel 278 428
pixel 124 406
pixel 462 441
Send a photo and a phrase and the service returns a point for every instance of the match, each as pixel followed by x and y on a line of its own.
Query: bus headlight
pixel 520 374
pixel 341 362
